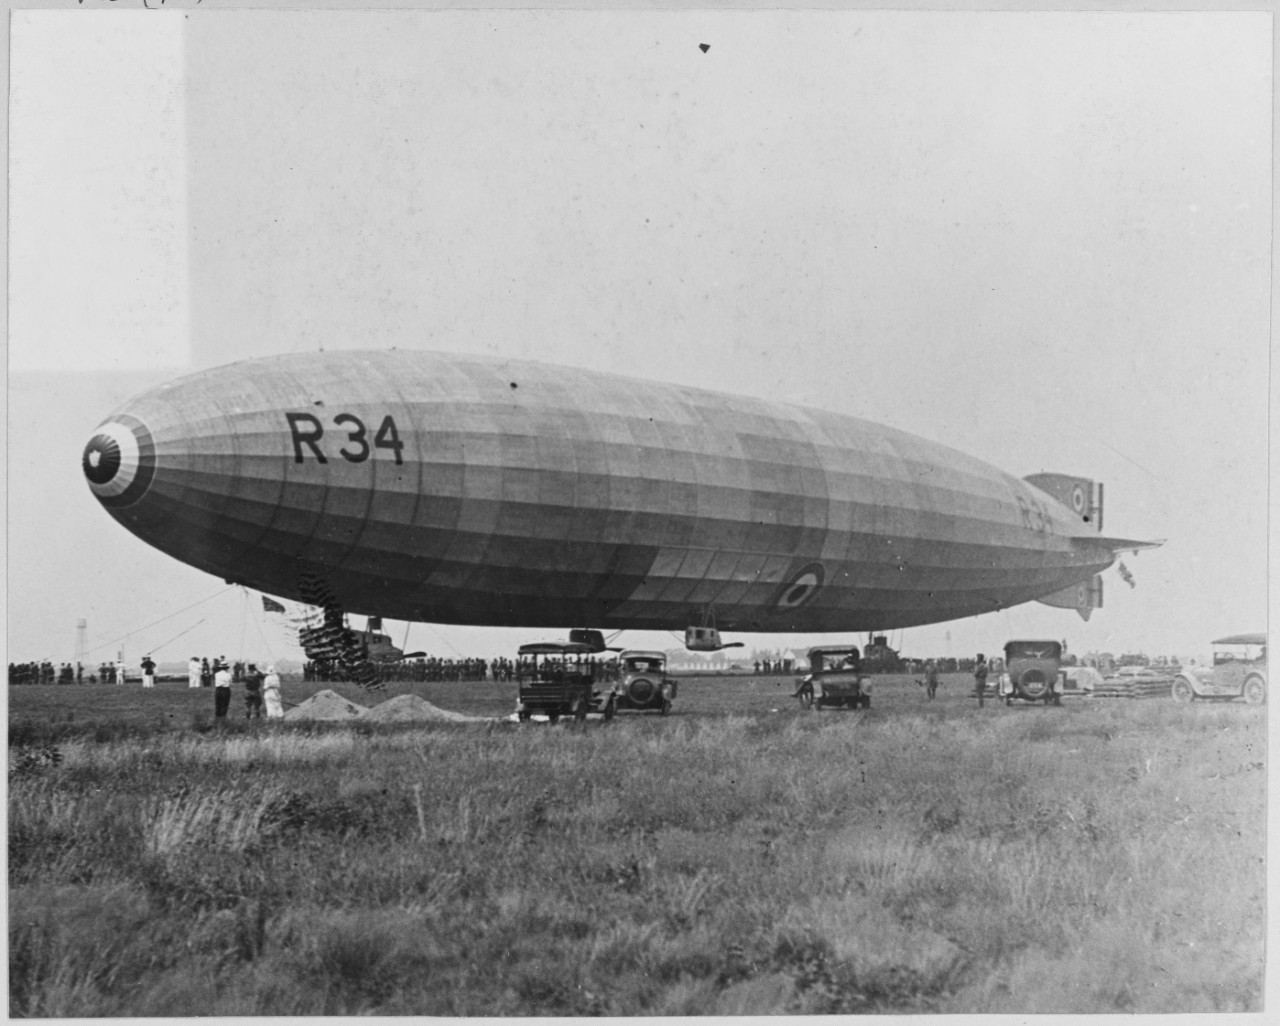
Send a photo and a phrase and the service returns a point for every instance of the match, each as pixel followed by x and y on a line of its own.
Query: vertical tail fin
pixel 1081 495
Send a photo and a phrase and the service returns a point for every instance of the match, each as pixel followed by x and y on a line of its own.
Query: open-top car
pixel 643 682
pixel 834 680
pixel 556 679
pixel 1239 670
pixel 1032 672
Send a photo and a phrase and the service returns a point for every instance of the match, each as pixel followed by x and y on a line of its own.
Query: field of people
pixel 739 856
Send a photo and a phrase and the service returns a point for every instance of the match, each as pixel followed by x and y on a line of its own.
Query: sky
pixel 1041 238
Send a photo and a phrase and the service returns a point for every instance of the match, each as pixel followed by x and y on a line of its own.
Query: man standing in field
pixel 980 678
pixel 931 678
pixel 221 689
pixel 253 693
pixel 148 672
pixel 193 672
pixel 120 671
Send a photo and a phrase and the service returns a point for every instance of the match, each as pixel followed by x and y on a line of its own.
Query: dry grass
pixel 921 858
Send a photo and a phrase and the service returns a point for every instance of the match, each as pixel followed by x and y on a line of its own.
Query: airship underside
pixel 450 489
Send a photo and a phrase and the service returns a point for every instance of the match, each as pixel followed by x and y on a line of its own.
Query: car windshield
pixel 1032 650
pixel 1238 654
pixel 830 662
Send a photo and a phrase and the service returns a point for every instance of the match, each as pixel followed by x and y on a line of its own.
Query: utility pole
pixel 82 639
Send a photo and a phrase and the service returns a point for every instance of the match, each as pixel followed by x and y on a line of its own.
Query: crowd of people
pixel 770 666
pixel 202 671
pixel 426 668
pixel 43 672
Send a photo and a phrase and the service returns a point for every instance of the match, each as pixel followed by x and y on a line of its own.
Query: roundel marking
pixel 1082 595
pixel 119 461
pixel 1077 498
pixel 800 588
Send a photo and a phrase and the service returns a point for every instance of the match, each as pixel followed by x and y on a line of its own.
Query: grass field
pixel 739 856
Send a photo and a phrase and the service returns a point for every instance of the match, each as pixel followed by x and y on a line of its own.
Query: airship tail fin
pixel 1119 545
pixel 1081 495
pixel 1084 597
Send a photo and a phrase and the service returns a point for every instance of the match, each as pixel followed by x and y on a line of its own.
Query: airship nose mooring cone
pixel 119 461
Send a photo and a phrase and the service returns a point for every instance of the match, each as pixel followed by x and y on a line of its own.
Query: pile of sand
pixel 407 708
pixel 324 705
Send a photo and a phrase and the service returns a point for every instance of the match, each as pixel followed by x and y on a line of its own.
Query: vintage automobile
pixel 556 679
pixel 834 680
pixel 1033 672
pixel 643 682
pixel 1239 670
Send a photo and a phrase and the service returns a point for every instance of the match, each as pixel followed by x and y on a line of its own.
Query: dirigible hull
pixel 451 489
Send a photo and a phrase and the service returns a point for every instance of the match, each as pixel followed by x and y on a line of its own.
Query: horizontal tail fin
pixel 1118 545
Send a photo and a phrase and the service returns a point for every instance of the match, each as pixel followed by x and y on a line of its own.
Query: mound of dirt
pixel 324 705
pixel 408 708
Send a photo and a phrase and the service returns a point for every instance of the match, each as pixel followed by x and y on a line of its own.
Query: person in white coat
pixel 193 672
pixel 271 694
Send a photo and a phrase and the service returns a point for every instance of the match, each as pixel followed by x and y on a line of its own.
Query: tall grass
pixel 915 860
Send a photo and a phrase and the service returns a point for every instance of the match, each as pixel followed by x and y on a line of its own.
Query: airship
pixel 451 489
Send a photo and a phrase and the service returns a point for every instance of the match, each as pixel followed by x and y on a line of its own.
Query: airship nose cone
pixel 119 461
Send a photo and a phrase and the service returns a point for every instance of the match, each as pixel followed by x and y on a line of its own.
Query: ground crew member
pixel 119 671
pixel 193 672
pixel 980 678
pixel 148 672
pixel 931 678
pixel 221 689
pixel 253 693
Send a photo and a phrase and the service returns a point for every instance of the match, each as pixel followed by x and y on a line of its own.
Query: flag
pixel 1124 573
pixel 271 605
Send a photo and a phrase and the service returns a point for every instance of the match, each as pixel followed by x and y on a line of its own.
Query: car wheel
pixel 1180 691
pixel 1255 691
